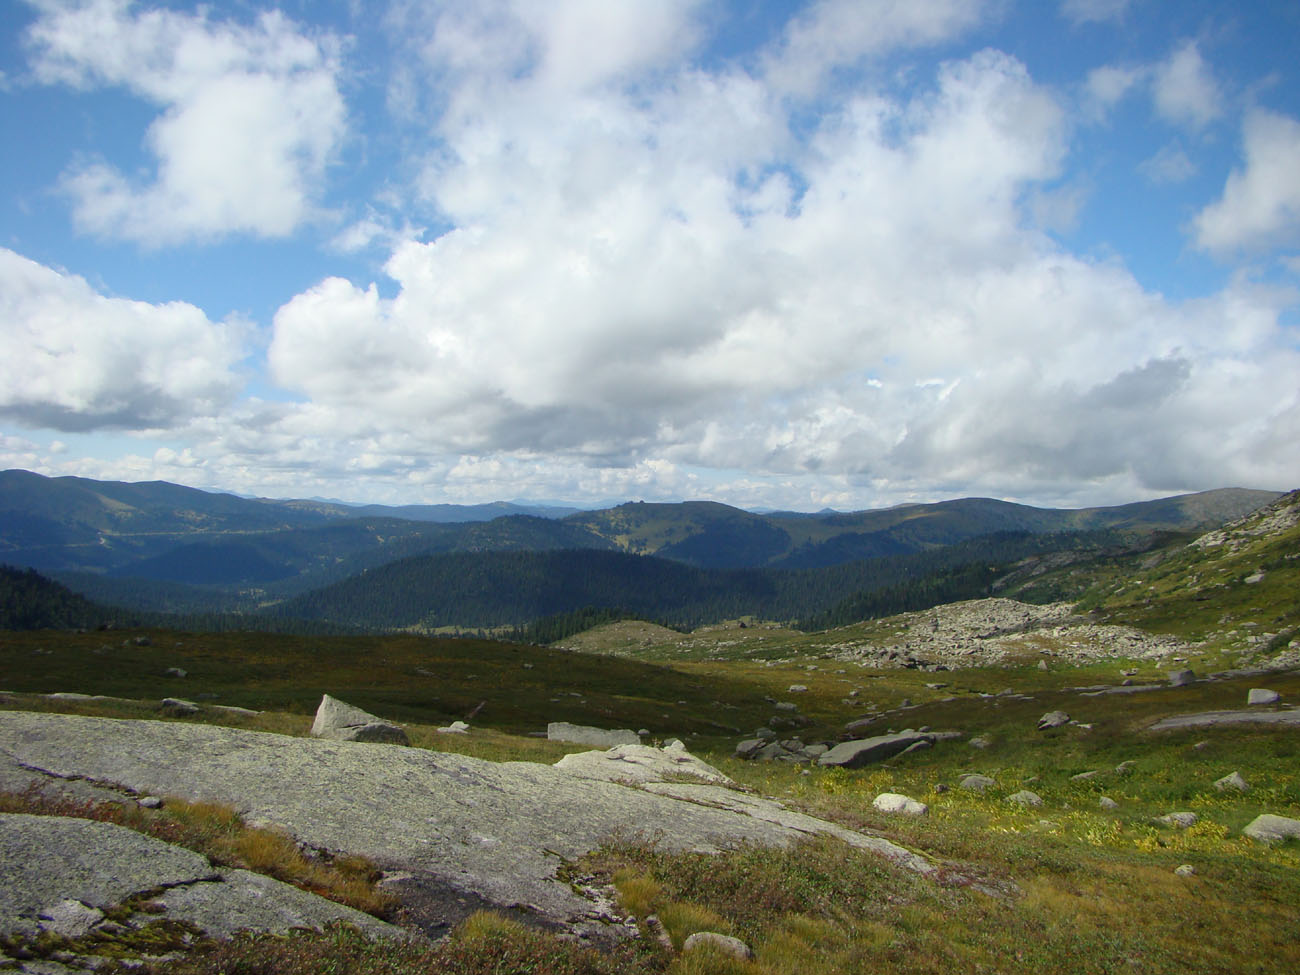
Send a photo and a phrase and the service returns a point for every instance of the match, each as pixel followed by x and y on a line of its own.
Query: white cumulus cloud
pixel 833 34
pixel 1260 205
pixel 72 359
pixel 250 116
pixel 629 290
pixel 1185 89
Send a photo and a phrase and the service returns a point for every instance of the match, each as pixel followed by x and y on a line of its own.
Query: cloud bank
pixel 787 278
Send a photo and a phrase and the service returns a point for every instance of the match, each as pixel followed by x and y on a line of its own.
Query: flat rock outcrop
pixel 1211 718
pixel 581 734
pixel 641 763
pixel 84 867
pixel 499 830
pixel 855 754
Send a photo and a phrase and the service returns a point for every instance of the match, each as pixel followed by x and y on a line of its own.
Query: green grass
pixel 1066 887
pixel 509 687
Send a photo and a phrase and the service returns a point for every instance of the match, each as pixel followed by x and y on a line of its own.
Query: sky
pixel 841 253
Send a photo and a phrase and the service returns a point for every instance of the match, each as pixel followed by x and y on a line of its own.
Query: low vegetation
pixel 1069 886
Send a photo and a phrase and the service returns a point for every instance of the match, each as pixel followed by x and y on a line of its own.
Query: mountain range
pixel 157 546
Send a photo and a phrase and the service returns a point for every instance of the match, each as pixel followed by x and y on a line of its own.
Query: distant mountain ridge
pixel 712 535
pixel 109 538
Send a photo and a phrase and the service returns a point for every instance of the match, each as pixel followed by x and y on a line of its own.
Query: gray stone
pixel 1181 678
pixel 97 864
pixel 1042 665
pixel 338 721
pixel 1107 803
pixel 976 783
pixel 1181 820
pixel 817 750
pixel 455 728
pixel 1262 695
pixel 498 829
pixel 640 763
pixel 250 901
pixel 580 734
pixel 749 748
pixel 1232 780
pixel 854 754
pixel 894 802
pixel 86 865
pixel 1186 870
pixel 1053 719
pixel 797 688
pixel 722 942
pixel 1025 798
pixel 981 741
pixel 70 918
pixel 179 707
pixel 1084 776
pixel 786 706
pixel 1212 718
pixel 1267 828
pixel 174 672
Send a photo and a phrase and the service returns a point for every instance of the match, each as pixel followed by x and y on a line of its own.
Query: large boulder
pixel 749 748
pixel 1232 780
pixel 1053 719
pixel 723 943
pixel 581 734
pixel 342 722
pixel 895 802
pixel 855 754
pixel 1025 798
pixel 1262 695
pixel 1267 828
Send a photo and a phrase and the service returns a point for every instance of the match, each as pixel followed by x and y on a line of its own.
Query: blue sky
pixel 796 255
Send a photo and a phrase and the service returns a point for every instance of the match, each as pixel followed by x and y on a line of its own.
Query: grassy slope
pixel 1083 890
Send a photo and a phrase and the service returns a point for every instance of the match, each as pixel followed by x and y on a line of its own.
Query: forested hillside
pixel 494 589
pixel 29 601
